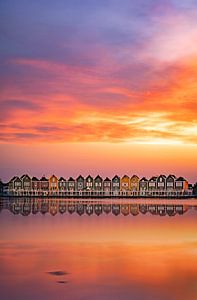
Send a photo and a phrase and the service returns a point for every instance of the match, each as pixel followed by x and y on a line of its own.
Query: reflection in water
pixel 26 206
pixel 107 257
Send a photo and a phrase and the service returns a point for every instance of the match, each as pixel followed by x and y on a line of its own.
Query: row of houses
pixel 43 206
pixel 161 185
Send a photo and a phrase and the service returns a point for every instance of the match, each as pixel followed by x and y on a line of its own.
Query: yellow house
pixel 53 183
pixel 125 183
pixel 134 183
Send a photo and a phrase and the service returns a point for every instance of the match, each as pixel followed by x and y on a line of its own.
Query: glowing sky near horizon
pixel 98 86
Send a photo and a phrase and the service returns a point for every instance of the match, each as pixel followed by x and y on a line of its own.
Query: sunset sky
pixel 106 86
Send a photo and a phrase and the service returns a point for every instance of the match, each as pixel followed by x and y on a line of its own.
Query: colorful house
pixel 62 185
pixel 44 185
pixel 80 183
pixel 125 184
pixel 53 184
pixel 17 186
pixel 71 185
pixel 134 184
pixel 161 182
pixel 181 184
pixel 35 185
pixel 89 183
pixel 143 186
pixel 152 183
pixel 107 186
pixel 98 184
pixel 26 184
pixel 170 182
pixel 116 185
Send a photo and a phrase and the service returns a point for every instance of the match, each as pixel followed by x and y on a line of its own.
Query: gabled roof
pixel 17 178
pixel 25 175
pixel 43 178
pixel 161 175
pixel 62 179
pixel 116 176
pixel 35 179
pixel 125 176
pixel 107 179
pixel 180 179
pixel 143 179
pixel 53 176
pixel 71 179
pixel 13 178
pixel 171 175
pixel 154 178
pixel 98 177
pixel 133 176
pixel 80 177
pixel 89 176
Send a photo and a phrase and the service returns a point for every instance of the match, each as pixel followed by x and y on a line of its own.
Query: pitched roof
pixel 98 177
pixel 62 179
pixel 43 178
pixel 107 179
pixel 153 178
pixel 125 176
pixel 116 176
pixel 35 179
pixel 143 179
pixel 53 176
pixel 180 179
pixel 161 175
pixel 89 176
pixel 13 178
pixel 71 179
pixel 25 175
pixel 171 175
pixel 80 177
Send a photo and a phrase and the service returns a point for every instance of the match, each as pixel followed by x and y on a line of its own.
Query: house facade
pixel 80 183
pixel 35 186
pixel 107 186
pixel 53 185
pixel 62 185
pixel 125 184
pixel 134 185
pixel 161 183
pixel 44 186
pixel 116 185
pixel 162 186
pixel 71 186
pixel 89 183
pixel 143 186
pixel 98 184
pixel 26 184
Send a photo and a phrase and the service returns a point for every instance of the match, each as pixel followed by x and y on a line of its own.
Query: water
pixel 119 249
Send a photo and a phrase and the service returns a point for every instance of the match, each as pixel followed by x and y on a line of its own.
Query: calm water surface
pixel 62 249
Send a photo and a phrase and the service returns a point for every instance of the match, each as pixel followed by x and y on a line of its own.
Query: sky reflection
pixel 105 257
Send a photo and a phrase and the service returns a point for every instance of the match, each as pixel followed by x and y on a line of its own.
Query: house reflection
pixel 27 206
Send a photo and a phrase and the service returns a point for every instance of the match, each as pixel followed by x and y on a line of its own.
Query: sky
pixel 98 87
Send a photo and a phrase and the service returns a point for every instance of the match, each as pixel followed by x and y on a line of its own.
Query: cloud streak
pixel 108 73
